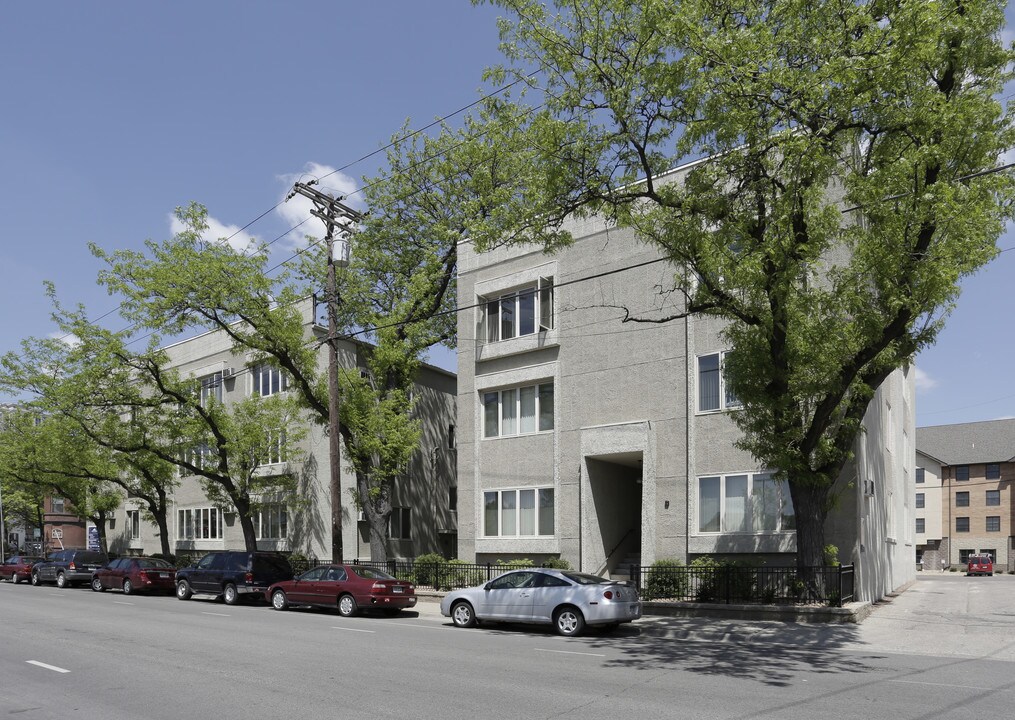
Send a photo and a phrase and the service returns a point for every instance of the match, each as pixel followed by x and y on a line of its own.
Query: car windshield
pixel 154 563
pixel 371 574
pixel 585 578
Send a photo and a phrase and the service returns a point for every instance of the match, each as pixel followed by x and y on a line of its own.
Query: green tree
pixel 838 185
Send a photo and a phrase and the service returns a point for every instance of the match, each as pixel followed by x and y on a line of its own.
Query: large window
pixel 961 472
pixel 272 522
pixel 520 312
pixel 134 524
pixel 993 471
pixel 919 500
pixel 744 504
pixel 713 393
pixel 993 523
pixel 962 499
pixel 920 525
pixel 269 380
pixel 211 388
pixel 518 411
pixel 400 523
pixel 275 447
pixel 962 524
pixel 920 473
pixel 524 512
pixel 199 524
pixel 59 504
pixel 993 497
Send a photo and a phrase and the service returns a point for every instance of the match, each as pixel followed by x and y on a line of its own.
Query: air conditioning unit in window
pixel 228 373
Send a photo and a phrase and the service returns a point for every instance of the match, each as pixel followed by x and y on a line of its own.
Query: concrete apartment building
pixel 424 518
pixel 964 500
pixel 607 443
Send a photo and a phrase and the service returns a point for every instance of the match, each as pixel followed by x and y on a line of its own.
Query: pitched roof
pixel 989 441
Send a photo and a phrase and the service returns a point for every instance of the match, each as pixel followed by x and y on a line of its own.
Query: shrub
pixel 299 562
pixel 831 556
pixel 715 583
pixel 515 564
pixel 556 563
pixel 457 576
pixel 666 579
pixel 427 569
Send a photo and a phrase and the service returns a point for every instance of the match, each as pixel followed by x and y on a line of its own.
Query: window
pixel 989 551
pixel 961 524
pixel 920 475
pixel 211 388
pixel 269 380
pixel 993 523
pixel 199 524
pixel 199 456
pixel 521 312
pixel 919 500
pixel 451 437
pixel 272 522
pixel 961 472
pixel 453 499
pixel 400 523
pixel 59 505
pixel 744 504
pixel 712 391
pixel 962 499
pixel 524 512
pixel 920 525
pixel 964 555
pixel 274 450
pixel 518 411
pixel 993 497
pixel 993 471
pixel 134 524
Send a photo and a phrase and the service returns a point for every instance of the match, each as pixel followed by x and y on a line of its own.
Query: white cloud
pixel 924 381
pixel 218 231
pixel 297 209
pixel 69 339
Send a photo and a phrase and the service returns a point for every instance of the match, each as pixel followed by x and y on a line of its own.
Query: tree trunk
pixel 163 523
pixel 810 502
pixel 242 506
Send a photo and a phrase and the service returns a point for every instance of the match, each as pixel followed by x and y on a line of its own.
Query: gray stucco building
pixel 607 442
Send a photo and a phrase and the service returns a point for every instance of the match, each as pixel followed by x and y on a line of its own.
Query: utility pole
pixel 335 215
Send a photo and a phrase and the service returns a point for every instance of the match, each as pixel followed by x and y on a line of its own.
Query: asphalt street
pixel 944 648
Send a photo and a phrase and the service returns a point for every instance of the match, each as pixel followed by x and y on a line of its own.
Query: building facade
pixel 965 474
pixel 609 443
pixel 423 520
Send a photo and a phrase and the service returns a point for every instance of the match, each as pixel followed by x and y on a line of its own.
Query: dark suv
pixel 67 568
pixel 231 574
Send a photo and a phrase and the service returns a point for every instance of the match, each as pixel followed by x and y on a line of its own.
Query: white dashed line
pixel 352 629
pixel 54 668
pixel 215 614
pixel 121 602
pixel 568 652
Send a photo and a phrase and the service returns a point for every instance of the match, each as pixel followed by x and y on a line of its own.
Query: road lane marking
pixel 215 614
pixel 568 652
pixel 934 684
pixel 333 627
pixel 121 602
pixel 54 668
pixel 401 624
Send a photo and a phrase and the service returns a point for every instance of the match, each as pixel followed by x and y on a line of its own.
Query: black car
pixel 232 574
pixel 67 568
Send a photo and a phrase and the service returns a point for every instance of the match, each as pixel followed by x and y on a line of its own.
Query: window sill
pixel 514 346
pixel 519 435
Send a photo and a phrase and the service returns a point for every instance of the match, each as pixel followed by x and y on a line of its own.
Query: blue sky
pixel 116 112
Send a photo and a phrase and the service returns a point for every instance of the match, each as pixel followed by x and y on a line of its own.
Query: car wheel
pixel 35 578
pixel 97 585
pixel 230 595
pixel 568 621
pixel 346 605
pixel 279 601
pixel 128 587
pixel 462 615
pixel 183 591
pixel 61 580
pixel 15 578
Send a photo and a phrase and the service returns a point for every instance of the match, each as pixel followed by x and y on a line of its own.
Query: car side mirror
pixel 487 586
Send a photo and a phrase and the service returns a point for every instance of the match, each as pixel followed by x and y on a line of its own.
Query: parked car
pixel 18 567
pixel 350 588
pixel 135 574
pixel 67 568
pixel 232 575
pixel 567 599
pixel 980 565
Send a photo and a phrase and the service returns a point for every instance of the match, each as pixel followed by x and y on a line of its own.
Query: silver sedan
pixel 567 599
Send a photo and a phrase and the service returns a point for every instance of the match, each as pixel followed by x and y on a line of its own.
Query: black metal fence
pixel 735 584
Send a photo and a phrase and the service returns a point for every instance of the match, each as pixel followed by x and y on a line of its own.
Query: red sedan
pixel 18 567
pixel 350 588
pixel 135 574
